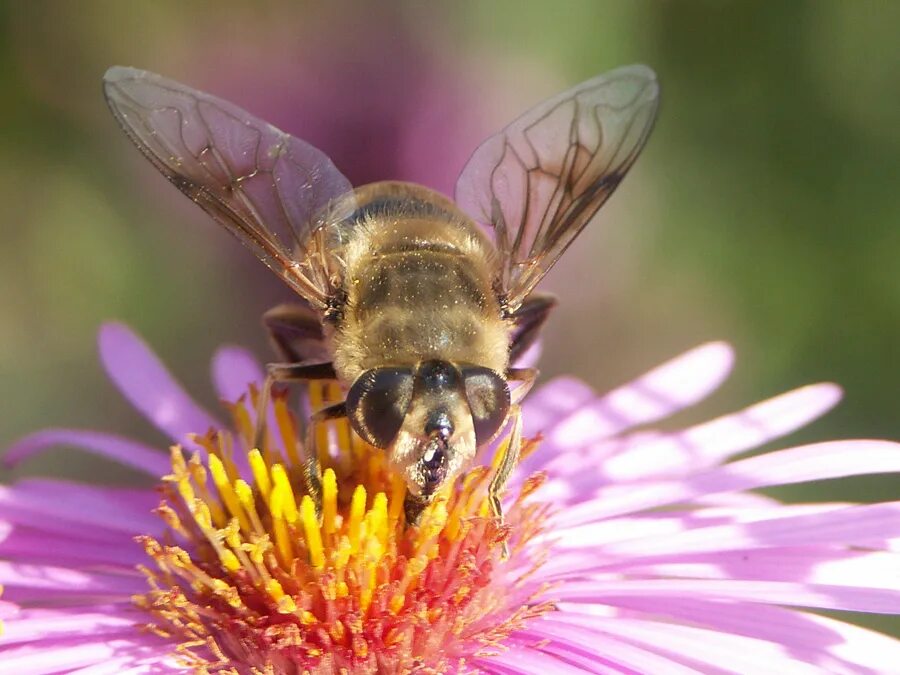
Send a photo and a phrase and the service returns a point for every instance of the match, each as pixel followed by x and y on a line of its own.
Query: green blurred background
pixel 764 211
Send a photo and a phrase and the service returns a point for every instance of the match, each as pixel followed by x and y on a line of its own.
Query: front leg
pixel 286 372
pixel 508 460
pixel 311 470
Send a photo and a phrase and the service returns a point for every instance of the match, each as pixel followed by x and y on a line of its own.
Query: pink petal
pixel 582 655
pixel 234 370
pixel 121 450
pixel 156 665
pixel 64 656
pixel 529 661
pixel 7 611
pixel 554 401
pixel 809 632
pixel 711 443
pixel 707 648
pixel 854 525
pixel 61 579
pixel 92 509
pixel 150 388
pixel 68 625
pixel 29 544
pixel 149 665
pixel 661 392
pixel 877 601
pixel 819 461
pixel 631 657
pixel 853 569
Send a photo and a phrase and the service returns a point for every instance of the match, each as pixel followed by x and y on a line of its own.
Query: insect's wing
pixel 262 184
pixel 538 182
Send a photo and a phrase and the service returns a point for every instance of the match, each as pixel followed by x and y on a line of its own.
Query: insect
pixel 417 305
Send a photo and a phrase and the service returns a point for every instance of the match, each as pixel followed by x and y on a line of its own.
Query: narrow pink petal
pixel 800 630
pixel 554 401
pixel 661 392
pixel 82 505
pixel 707 648
pixel 711 443
pixel 8 610
pixel 61 579
pixel 834 459
pixel 612 649
pixel 121 450
pixel 582 655
pixel 65 655
pixel 149 665
pixel 847 526
pixel 66 625
pixel 27 544
pixel 234 369
pixel 581 529
pixel 145 382
pixel 529 661
pixel 853 569
pixel 877 601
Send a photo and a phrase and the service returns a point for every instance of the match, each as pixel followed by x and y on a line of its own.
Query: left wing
pixel 263 185
pixel 540 181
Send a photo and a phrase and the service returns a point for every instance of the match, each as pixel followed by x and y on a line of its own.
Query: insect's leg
pixel 508 461
pixel 311 472
pixel 527 322
pixel 286 372
pixel 526 376
pixel 295 331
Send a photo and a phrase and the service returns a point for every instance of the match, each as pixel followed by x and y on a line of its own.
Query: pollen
pixel 250 577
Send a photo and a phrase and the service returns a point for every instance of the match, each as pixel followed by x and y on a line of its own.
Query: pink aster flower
pixel 632 551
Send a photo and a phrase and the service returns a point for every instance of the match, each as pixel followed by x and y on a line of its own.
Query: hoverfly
pixel 416 305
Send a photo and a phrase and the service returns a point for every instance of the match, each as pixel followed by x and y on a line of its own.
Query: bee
pixel 419 306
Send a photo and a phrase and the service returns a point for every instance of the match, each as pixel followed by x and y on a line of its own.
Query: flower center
pixel 249 580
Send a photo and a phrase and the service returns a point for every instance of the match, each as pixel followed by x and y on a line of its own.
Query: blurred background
pixel 764 210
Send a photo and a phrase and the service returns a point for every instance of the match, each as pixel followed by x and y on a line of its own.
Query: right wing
pixel 541 180
pixel 263 185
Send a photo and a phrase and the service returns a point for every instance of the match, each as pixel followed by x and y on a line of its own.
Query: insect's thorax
pixel 419 285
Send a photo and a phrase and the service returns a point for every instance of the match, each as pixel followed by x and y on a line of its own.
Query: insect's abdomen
pixel 419 285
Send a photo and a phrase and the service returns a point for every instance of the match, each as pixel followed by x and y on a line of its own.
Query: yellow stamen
pixel 283 547
pixel 435 519
pixel 198 474
pixel 379 514
pixel 288 430
pixel 289 504
pixel 229 560
pixel 311 529
pixel 245 496
pixel 285 603
pixel 398 493
pixel 317 392
pixel 329 501
pixel 226 492
pixel 357 509
pixel 243 423
pixel 260 472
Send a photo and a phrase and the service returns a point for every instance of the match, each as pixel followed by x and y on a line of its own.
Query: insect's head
pixel 431 417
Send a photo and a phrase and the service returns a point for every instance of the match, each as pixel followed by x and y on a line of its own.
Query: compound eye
pixel 488 396
pixel 377 403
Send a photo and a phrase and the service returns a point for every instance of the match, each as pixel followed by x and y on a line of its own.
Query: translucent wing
pixel 538 182
pixel 262 184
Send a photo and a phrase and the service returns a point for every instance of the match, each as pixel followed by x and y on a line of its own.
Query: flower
pixel 631 550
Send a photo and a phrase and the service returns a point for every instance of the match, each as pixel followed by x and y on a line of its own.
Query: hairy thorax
pixel 419 285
